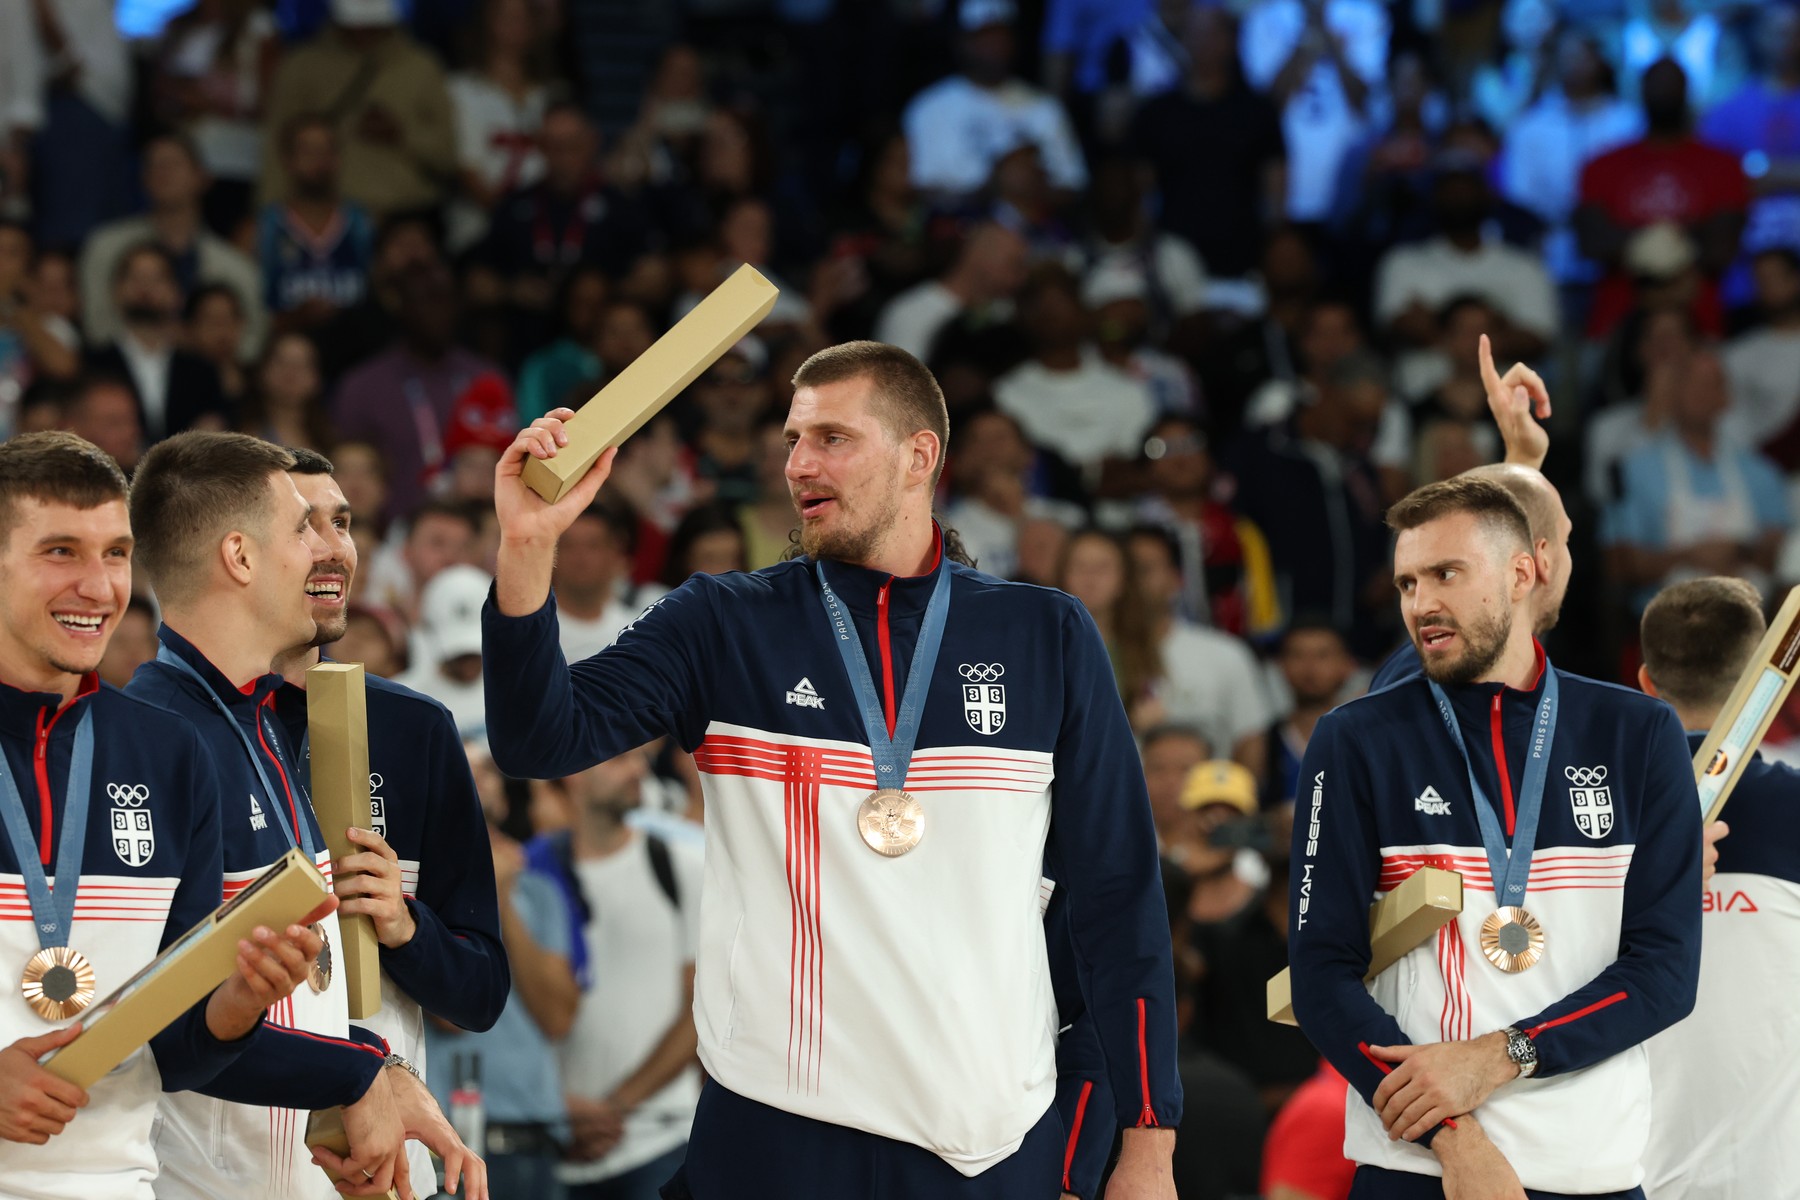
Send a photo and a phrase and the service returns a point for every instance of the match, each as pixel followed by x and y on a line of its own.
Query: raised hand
pixel 1519 401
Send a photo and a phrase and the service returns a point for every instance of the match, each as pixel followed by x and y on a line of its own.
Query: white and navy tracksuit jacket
pixel 1726 1118
pixel 1384 792
pixel 423 802
pixel 138 892
pixel 233 1141
pixel 907 997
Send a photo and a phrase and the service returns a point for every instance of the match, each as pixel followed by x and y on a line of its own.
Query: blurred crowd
pixel 1203 284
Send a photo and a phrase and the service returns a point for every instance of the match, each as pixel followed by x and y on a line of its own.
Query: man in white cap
pixel 447 648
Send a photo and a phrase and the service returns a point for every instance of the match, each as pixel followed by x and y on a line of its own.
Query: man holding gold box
pixel 432 902
pixel 1508 1052
pixel 872 987
pixel 111 850
pixel 228 545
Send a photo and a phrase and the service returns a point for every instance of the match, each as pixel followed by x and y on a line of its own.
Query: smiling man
pixel 418 874
pixel 1505 1055
pixel 228 544
pixel 110 798
pixel 872 985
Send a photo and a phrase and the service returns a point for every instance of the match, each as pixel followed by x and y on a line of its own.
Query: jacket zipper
pixel 1506 790
pixel 1148 1116
pixel 887 656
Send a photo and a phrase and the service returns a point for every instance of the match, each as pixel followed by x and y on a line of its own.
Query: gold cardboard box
pixel 641 390
pixel 1427 901
pixel 325 1127
pixel 193 965
pixel 337 726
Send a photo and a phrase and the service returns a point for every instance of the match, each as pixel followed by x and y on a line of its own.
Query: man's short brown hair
pixel 55 468
pixel 190 491
pixel 1489 503
pixel 1697 636
pixel 907 396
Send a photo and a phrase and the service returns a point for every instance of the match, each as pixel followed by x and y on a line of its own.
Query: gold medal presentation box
pixel 193 965
pixel 337 727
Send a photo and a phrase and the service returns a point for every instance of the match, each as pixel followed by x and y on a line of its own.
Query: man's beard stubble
pixel 856 545
pixel 1483 645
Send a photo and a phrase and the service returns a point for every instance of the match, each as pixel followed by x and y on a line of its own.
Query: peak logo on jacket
pixel 984 700
pixel 1591 803
pixel 1429 802
pixel 133 833
pixel 805 695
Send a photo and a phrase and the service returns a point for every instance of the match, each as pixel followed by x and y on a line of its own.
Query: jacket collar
pixel 234 697
pixel 20 710
pixel 859 587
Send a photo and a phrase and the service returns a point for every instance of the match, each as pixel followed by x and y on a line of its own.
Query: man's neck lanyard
pixel 305 842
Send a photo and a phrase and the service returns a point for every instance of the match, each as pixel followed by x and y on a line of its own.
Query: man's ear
pixel 235 554
pixel 1646 683
pixel 927 452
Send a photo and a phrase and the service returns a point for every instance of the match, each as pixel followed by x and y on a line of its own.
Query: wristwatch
pixel 1522 1050
pixel 394 1060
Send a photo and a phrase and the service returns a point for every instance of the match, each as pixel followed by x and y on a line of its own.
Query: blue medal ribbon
pixel 1511 871
pixel 892 755
pixel 52 913
pixel 169 658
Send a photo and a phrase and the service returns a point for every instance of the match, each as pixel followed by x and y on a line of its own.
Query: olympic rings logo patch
pixel 129 794
pixel 981 672
pixel 1585 776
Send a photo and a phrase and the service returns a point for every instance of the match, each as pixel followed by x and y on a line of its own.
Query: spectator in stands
pixel 1089 44
pixel 1216 148
pixel 389 100
pixel 746 234
pixel 499 107
pixel 1564 129
pixel 356 334
pixel 212 74
pixel 1458 397
pixel 987 272
pixel 1521 71
pixel 1691 502
pixel 1096 571
pixel 1000 481
pixel 174 183
pixel 568 217
pixel 730 399
pixel 1667 176
pixel 34 342
pixel 315 247
pixel 1066 397
pixel 56 291
pixel 1222 560
pixel 1384 182
pixel 103 410
pixel 438 535
pixel 709 541
pixel 284 404
pixel 1120 297
pixel 552 373
pixel 1699 41
pixel 1019 196
pixel 1303 1156
pixel 1043 541
pixel 1760 124
pixel 214 330
pixel 769 519
pixel 401 401
pixel 1170 753
pixel 1122 241
pixel 593 573
pixel 1414 282
pixel 1653 349
pixel 369 640
pixel 1764 362
pixel 70 90
pixel 1257 339
pixel 175 389
pixel 1311 475
pixel 958 128
pixel 1317 666
pixel 133 643
pixel 482 425
pixel 1318 60
pixel 446 646
pixel 514 1063
pixel 1210 680
pixel 628 1061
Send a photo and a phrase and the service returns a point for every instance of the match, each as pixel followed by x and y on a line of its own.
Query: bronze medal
pixel 318 975
pixel 1512 939
pixel 58 983
pixel 891 822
